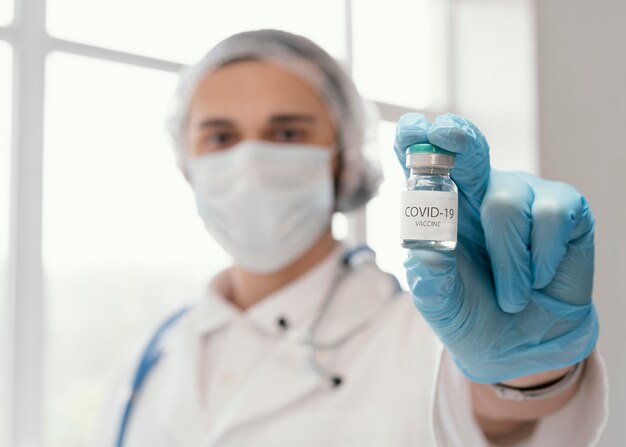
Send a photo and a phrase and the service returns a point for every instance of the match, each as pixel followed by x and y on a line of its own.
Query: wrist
pixel 500 402
pixel 541 391
pixel 540 379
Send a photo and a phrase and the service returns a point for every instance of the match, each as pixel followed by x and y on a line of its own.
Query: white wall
pixel 546 82
pixel 582 111
pixel 493 76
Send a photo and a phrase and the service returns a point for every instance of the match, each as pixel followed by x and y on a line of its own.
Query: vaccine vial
pixel 428 217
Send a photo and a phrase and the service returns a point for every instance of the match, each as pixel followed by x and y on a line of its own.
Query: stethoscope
pixel 350 261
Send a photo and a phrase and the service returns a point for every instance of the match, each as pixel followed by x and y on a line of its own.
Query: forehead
pixel 241 89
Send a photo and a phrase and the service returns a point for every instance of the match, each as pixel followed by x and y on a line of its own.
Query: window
pixel 183 31
pixel 383 218
pixel 393 39
pixel 6 69
pixel 122 244
pixel 6 12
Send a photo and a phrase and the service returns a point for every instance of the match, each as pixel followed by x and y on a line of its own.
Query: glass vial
pixel 428 217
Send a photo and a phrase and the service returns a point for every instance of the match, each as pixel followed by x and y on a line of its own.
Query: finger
pixel 471 166
pixel 573 279
pixel 412 128
pixel 560 214
pixel 433 280
pixel 506 219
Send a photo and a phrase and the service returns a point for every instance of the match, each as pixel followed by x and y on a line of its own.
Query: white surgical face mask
pixel 265 204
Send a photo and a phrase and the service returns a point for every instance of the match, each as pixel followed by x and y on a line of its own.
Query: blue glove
pixel 514 298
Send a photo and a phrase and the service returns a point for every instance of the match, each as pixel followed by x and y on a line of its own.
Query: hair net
pixel 360 176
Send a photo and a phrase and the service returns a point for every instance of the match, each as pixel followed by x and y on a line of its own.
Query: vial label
pixel 428 215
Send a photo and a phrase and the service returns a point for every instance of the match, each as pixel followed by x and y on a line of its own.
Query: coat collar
pixel 285 375
pixel 296 302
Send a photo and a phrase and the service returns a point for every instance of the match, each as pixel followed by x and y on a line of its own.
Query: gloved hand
pixel 514 298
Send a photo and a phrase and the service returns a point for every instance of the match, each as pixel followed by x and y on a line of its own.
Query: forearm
pixel 502 419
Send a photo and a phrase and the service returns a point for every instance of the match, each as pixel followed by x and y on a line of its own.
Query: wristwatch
pixel 542 391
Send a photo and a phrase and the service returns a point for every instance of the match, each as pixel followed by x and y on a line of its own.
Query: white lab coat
pixel 400 386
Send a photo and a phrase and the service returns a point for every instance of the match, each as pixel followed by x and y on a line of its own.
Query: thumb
pixel 412 128
pixel 435 285
pixel 471 167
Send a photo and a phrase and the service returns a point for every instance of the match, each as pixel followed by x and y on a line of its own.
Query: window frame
pixel 31 44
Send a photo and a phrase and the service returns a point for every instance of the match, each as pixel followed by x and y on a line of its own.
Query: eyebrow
pixel 275 119
pixel 216 122
pixel 289 118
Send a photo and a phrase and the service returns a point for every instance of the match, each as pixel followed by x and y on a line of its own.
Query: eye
pixel 218 140
pixel 289 134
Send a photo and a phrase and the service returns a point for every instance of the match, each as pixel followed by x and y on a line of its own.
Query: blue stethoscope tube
pixel 149 359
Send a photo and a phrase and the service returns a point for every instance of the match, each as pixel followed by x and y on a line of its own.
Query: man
pixel 302 342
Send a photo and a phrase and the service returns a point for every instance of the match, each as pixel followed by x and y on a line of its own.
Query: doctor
pixel 303 342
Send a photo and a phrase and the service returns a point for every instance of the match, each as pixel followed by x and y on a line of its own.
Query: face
pixel 255 100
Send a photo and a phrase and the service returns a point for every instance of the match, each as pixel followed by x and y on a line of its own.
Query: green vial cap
pixel 427 148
